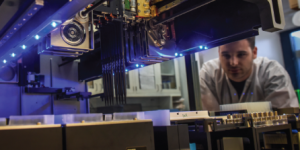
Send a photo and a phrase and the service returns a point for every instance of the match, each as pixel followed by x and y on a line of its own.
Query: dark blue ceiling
pixel 6 22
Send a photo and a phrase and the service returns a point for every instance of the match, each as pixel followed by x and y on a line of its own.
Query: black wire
pixel 93 7
pixel 1 1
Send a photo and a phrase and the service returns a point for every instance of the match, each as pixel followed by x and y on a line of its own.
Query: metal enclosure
pixel 121 135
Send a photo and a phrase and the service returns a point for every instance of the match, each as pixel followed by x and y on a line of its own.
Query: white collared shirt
pixel 268 81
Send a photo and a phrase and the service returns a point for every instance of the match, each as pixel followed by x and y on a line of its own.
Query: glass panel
pixel 149 95
pixel 295 39
pixel 147 78
pixel 168 76
pixel 295 43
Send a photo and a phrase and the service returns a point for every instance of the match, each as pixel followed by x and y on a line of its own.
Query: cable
pixel 93 7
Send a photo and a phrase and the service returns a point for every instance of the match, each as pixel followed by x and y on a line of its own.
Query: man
pixel 239 76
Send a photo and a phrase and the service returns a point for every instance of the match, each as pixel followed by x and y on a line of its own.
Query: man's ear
pixel 254 52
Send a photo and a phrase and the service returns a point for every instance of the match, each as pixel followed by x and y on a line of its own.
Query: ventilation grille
pixel 73 33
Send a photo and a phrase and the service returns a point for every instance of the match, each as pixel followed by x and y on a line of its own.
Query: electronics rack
pixel 208 133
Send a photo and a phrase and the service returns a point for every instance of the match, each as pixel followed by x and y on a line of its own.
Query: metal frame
pixel 196 4
pixel 193 82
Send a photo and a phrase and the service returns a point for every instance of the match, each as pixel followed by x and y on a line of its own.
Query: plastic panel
pixel 78 118
pixel 31 120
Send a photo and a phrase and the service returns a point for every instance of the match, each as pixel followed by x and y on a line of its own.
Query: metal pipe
pixel 87 100
pixel 51 72
pixel 51 84
pixel 21 101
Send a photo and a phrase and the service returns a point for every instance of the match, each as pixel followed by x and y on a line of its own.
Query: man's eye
pixel 226 56
pixel 241 55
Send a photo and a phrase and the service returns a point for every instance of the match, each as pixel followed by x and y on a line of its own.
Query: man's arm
pixel 208 99
pixel 278 87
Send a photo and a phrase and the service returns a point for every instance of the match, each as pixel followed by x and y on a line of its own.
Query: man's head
pixel 237 58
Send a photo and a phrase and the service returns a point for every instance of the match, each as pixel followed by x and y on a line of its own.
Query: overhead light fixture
pixel 142 66
pixel 181 55
pixel 200 47
pixel 137 65
pixel 296 34
pixel 4 61
pixel 13 55
pixel 206 47
pixel 176 54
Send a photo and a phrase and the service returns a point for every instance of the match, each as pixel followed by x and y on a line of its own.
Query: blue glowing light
pixel 13 55
pixel 234 94
pixel 4 61
pixel 201 47
pixel 243 93
pixel 180 55
pixel 137 65
pixel 126 70
pixel 113 74
pixel 205 47
pixel 142 66
pixel 53 24
pixel 24 46
pixel 251 93
pixel 176 54
pixel 37 37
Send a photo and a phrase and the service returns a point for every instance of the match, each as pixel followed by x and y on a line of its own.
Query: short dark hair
pixel 251 41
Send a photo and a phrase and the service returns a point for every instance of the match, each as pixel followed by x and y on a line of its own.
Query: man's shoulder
pixel 270 69
pixel 212 64
pixel 265 64
pixel 211 67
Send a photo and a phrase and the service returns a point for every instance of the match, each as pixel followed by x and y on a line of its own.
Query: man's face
pixel 236 59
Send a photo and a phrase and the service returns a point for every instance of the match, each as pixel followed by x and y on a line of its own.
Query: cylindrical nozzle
pixel 275 113
pixel 266 114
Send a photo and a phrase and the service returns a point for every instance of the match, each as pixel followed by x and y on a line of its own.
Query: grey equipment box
pixel 113 135
pixel 31 137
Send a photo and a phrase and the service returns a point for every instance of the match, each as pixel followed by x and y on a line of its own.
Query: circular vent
pixel 7 73
pixel 73 33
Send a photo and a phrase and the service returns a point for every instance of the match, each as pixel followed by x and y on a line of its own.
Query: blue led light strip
pixel 29 42
pixel 43 28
